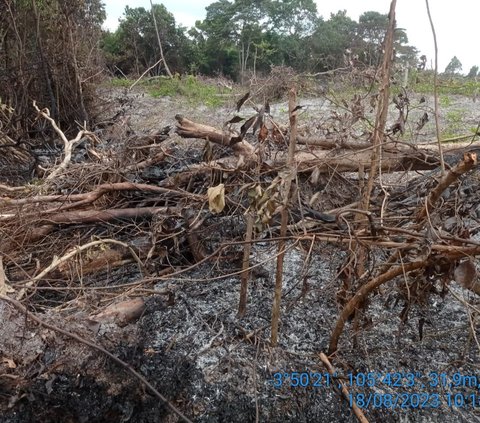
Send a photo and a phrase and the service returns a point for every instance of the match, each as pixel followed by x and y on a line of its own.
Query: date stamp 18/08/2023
pixel 406 390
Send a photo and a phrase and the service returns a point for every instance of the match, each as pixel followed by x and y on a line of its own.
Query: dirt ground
pixel 216 367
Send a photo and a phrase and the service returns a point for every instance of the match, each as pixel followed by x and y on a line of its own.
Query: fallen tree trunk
pixel 349 155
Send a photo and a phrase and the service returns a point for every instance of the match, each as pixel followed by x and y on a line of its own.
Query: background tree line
pixel 54 51
pixel 245 37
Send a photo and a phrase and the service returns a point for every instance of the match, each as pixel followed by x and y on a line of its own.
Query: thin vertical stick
pixel 162 57
pixel 361 252
pixel 435 91
pixel 242 304
pixel 382 111
pixel 292 104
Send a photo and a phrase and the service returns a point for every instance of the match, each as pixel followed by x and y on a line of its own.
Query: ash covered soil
pixel 216 367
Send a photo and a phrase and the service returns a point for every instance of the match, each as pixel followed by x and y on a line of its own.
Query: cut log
pixel 189 129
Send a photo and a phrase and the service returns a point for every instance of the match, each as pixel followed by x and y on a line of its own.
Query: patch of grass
pixel 189 87
pixel 445 101
pixel 446 85
pixel 121 82
pixel 454 123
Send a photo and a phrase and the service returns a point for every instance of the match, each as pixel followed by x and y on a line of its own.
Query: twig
pixel 22 309
pixel 357 411
pixel 242 305
pixel 143 74
pixel 378 132
pixel 12 189
pixel 382 111
pixel 255 388
pixel 435 91
pixel 210 343
pixel 467 164
pixel 162 57
pixel 91 196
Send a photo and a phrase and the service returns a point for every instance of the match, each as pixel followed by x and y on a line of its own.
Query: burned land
pixel 205 226
pixel 144 243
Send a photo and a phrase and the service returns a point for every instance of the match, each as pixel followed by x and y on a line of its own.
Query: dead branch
pixel 329 144
pixel 68 145
pixel 435 91
pixel 363 293
pixel 147 163
pixel 242 304
pixel 98 216
pixel 12 189
pixel 56 262
pixel 382 110
pixel 468 162
pixel 189 129
pixel 89 197
pixel 290 177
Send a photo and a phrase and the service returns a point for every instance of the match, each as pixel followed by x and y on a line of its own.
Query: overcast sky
pixel 456 22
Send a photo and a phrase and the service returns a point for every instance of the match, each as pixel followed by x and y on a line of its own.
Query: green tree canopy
pixel 454 67
pixel 133 47
pixel 473 72
pixel 241 36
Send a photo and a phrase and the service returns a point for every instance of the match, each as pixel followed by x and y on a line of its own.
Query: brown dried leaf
pixel 235 119
pixel 246 126
pixel 258 123
pixel 9 363
pixel 242 101
pixel 422 121
pixel 465 274
pixel 216 198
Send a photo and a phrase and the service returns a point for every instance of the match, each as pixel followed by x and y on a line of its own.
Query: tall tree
pixel 372 27
pixel 292 17
pixel 332 38
pixel 473 72
pixel 248 24
pixel 137 40
pixel 454 67
pixel 215 39
pixel 290 26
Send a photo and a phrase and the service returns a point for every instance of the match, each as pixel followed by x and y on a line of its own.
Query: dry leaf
pixel 242 100
pixel 466 275
pixel 246 126
pixel 10 364
pixel 216 198
pixel 235 119
pixel 263 134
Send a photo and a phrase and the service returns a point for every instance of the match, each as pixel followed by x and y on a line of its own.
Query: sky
pixel 455 22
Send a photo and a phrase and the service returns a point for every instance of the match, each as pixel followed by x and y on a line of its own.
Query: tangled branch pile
pixel 123 211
